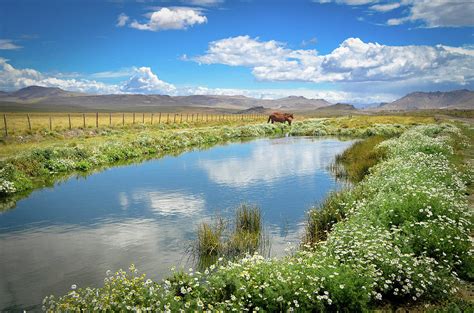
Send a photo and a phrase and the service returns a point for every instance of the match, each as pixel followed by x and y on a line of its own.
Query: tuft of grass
pixel 209 238
pixel 248 219
pixel 230 239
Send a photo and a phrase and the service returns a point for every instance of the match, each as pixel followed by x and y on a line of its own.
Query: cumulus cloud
pixel 353 61
pixel 8 44
pixel 171 18
pixel 122 20
pixel 143 80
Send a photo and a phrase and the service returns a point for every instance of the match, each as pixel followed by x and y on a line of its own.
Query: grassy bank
pixel 32 165
pixel 403 238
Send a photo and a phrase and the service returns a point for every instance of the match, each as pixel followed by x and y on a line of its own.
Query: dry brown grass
pixel 17 123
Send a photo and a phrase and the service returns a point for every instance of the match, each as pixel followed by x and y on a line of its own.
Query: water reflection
pixel 164 203
pixel 147 213
pixel 48 260
pixel 271 160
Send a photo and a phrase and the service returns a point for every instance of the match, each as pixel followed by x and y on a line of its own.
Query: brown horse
pixel 280 117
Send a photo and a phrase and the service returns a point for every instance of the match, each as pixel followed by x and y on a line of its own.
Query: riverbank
pixel 404 239
pixel 30 165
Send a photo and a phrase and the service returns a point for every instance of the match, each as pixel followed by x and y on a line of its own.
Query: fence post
pixel 133 117
pixel 50 123
pixel 69 119
pixel 5 122
pixel 168 119
pixel 151 122
pixel 29 121
pixel 123 119
pixel 159 119
pixel 143 118
pixel 174 118
pixel 181 118
pixel 84 120
pixel 97 120
pixel 110 118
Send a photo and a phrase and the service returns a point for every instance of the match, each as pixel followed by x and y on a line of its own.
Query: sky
pixel 354 51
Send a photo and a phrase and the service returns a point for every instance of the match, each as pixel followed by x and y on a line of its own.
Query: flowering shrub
pixel 404 237
pixel 12 180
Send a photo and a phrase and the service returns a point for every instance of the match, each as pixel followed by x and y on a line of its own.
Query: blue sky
pixel 357 51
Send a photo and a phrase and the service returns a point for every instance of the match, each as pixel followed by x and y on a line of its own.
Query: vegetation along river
pixel 147 213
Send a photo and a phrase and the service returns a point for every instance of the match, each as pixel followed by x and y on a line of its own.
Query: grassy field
pixel 401 238
pixel 31 123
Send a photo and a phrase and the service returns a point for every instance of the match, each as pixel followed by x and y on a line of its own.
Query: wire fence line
pixel 24 123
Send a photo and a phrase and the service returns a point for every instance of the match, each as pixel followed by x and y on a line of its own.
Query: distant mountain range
pixel 457 99
pixel 35 98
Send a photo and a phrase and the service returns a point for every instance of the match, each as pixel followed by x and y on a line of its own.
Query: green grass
pixel 403 238
pixel 360 157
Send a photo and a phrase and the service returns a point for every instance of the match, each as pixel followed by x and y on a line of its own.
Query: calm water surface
pixel 147 213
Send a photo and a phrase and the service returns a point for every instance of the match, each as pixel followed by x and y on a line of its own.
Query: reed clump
pixel 230 239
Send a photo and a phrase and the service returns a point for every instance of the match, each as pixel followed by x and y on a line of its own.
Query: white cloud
pixel 348 2
pixel 204 3
pixel 142 80
pixel 431 13
pixel 8 44
pixel 145 81
pixel 171 18
pixel 353 61
pixel 385 7
pixel 441 13
pixel 122 20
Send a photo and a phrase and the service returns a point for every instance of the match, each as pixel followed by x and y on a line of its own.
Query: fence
pixel 23 123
